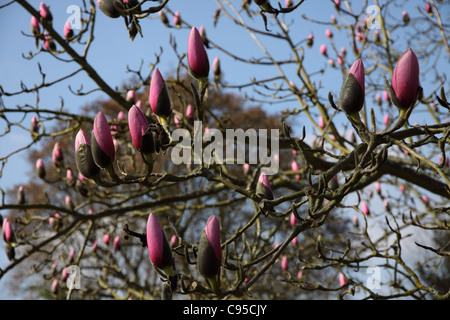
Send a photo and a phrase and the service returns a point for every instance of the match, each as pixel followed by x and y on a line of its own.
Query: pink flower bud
pixel 351 97
pixel 328 33
pixel 386 119
pixel 216 69
pixel 158 246
pixel 159 96
pixel 425 199
pixel 143 141
pixel 131 96
pixel 44 11
pixel 7 231
pixel 177 20
pixel 103 150
pixel 295 167
pixel 323 49
pixel 116 243
pixel 293 220
pixel 190 112
pixel 197 57
pixel 106 239
pixel 83 156
pixel 68 31
pixel 263 187
pixel 405 79
pixel 365 208
pixel 284 263
pixel 209 256
pixel 342 280
pixel 40 168
pixel 57 154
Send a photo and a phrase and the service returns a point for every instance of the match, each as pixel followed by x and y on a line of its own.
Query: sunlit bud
pixel 198 62
pixel 329 33
pixel 405 79
pixel 44 11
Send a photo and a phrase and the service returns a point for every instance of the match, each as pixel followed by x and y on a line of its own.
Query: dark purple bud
pixel 103 150
pixel 34 125
pixel 216 69
pixel 351 98
pixel 85 162
pixel 108 8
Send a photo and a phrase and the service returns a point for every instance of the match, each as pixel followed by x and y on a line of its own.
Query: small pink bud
pixel 386 119
pixel 342 280
pixel 284 263
pixel 323 49
pixel 365 208
pixel 40 168
pixel 190 112
pixel 425 199
pixel 116 243
pixel 295 167
pixel 106 239
pixel 329 33
pixel 68 31
pixel 177 20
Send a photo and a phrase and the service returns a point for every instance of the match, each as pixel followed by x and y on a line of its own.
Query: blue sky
pixel 112 52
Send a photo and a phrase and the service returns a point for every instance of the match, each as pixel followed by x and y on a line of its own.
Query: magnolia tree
pixel 179 185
